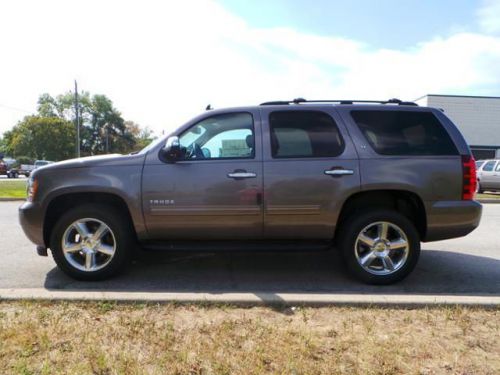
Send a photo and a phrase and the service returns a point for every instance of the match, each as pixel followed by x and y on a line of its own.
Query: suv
pixel 371 180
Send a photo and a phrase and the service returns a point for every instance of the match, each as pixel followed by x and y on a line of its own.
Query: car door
pixel 214 191
pixel 487 178
pixel 495 183
pixel 310 168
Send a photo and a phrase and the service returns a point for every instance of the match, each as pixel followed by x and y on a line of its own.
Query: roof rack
pixel 342 101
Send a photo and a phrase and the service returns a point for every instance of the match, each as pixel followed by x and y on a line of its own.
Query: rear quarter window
pixel 404 133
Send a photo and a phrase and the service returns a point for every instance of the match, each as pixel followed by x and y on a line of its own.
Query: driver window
pixel 226 136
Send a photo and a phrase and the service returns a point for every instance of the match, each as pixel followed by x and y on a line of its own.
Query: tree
pixel 48 138
pixel 143 136
pixel 103 129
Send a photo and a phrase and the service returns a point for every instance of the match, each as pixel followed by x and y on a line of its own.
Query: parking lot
pixel 465 266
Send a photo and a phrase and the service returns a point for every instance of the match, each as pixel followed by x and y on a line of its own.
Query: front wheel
pixel 479 189
pixel 379 247
pixel 92 242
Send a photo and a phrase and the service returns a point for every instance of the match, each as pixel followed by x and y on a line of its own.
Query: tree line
pixel 50 133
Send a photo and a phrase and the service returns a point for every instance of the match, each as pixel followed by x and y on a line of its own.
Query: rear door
pixel 310 167
pixel 214 192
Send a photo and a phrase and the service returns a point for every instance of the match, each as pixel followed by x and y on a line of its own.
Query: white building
pixel 477 117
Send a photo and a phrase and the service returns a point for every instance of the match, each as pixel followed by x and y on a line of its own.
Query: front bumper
pixel 31 220
pixel 451 219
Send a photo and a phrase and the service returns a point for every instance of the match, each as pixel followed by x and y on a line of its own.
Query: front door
pixel 214 191
pixel 487 178
pixel 310 168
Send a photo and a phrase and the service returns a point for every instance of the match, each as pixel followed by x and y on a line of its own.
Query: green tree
pixel 103 129
pixel 49 138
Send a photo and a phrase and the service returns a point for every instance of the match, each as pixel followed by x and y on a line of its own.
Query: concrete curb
pixel 252 299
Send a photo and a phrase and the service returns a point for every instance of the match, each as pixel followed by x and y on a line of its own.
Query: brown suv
pixel 370 179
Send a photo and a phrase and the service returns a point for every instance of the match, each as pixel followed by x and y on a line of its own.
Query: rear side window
pixel 302 134
pixel 404 133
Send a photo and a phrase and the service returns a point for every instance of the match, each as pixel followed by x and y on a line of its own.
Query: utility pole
pixel 107 138
pixel 77 120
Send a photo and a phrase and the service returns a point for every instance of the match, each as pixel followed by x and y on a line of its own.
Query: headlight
pixel 32 189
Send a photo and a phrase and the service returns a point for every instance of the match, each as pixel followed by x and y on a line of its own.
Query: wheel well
pixel 405 202
pixel 62 203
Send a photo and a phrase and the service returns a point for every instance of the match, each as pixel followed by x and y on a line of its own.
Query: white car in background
pixel 488 176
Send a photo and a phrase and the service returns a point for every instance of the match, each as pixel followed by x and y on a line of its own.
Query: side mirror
pixel 172 150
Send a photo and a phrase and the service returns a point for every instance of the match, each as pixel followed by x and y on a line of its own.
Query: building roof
pixel 458 96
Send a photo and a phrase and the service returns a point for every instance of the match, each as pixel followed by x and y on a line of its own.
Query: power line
pixel 15 108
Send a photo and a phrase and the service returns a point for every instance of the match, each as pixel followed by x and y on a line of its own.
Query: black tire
pixel 354 225
pixel 121 228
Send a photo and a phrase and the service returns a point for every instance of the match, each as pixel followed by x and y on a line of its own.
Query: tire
pixel 109 254
pixel 479 189
pixel 360 240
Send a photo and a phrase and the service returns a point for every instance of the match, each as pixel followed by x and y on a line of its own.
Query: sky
pixel 162 62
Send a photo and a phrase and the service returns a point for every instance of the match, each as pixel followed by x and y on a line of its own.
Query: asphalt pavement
pixel 468 266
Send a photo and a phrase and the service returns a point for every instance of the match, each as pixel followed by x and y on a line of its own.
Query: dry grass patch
pixel 104 338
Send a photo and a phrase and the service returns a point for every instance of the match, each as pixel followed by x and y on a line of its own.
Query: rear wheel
pixel 92 242
pixel 379 247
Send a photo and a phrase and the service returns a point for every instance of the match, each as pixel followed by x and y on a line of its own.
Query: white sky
pixel 162 62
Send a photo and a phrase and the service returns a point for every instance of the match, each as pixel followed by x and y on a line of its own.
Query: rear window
pixel 302 134
pixel 404 133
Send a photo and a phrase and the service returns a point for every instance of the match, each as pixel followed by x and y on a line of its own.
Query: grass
pixel 13 189
pixel 108 338
pixel 488 195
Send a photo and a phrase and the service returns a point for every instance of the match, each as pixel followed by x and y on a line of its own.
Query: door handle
pixel 339 172
pixel 241 174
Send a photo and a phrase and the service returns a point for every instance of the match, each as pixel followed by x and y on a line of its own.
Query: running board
pixel 240 245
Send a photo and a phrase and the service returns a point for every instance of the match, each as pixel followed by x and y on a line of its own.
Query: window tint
pixel 222 136
pixel 488 167
pixel 404 133
pixel 297 134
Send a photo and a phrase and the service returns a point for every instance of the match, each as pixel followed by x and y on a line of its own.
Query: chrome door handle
pixel 238 175
pixel 339 172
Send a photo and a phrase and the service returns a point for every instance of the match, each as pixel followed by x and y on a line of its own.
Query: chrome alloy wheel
pixel 381 248
pixel 88 244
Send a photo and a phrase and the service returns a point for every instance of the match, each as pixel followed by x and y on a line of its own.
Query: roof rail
pixel 341 101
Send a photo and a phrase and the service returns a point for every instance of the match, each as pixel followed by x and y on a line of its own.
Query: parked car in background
pixel 370 180
pixel 3 168
pixel 42 163
pixel 488 176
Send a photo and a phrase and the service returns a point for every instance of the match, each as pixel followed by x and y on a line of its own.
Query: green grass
pixel 13 189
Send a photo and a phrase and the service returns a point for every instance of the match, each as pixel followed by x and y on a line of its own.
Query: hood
pixel 96 161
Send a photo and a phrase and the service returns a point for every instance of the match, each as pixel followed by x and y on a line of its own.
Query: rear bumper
pixel 31 220
pixel 451 219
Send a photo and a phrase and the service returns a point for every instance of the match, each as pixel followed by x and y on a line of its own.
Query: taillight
pixel 469 177
pixel 32 189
